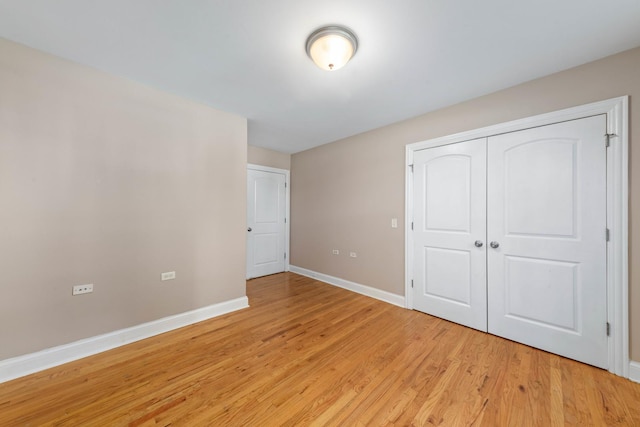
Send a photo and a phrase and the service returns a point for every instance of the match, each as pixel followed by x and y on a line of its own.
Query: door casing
pixel 616 110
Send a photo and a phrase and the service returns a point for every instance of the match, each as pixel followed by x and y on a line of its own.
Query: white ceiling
pixel 248 56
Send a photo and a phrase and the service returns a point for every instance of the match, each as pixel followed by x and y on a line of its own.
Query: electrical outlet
pixel 169 275
pixel 336 252
pixel 353 255
pixel 82 289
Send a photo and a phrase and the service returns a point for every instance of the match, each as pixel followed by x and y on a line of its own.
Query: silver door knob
pixel 494 244
pixel 478 243
pixel 249 229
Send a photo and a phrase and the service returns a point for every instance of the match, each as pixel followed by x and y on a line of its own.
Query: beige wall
pixel 265 157
pixel 110 182
pixel 344 194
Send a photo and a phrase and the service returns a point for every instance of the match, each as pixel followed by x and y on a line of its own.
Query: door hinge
pixel 412 283
pixel 608 234
pixel 412 225
pixel 608 136
pixel 285 185
pixel 285 220
pixel 411 166
pixel 285 255
pixel 608 329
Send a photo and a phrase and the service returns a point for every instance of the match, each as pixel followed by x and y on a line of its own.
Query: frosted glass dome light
pixel 331 47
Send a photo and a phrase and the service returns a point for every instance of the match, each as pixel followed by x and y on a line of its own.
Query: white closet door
pixel 266 207
pixel 449 217
pixel 547 212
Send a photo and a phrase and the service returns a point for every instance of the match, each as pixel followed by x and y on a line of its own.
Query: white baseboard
pixel 634 371
pixel 29 363
pixel 351 286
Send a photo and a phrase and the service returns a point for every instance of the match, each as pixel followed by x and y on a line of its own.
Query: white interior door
pixel 266 213
pixel 547 212
pixel 449 193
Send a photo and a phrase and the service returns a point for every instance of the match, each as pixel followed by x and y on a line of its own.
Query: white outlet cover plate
pixel 169 275
pixel 82 289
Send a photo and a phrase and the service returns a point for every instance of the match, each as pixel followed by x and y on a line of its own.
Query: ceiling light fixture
pixel 332 47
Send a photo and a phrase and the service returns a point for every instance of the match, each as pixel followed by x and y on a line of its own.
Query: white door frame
pixel 617 111
pixel 287 191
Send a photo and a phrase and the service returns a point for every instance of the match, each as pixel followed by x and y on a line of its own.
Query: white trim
pixel 408 228
pixel 616 110
pixel 287 229
pixel 634 371
pixel 29 363
pixel 618 248
pixel 573 113
pixel 378 294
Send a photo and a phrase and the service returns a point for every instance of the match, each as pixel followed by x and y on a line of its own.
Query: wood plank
pixel 307 353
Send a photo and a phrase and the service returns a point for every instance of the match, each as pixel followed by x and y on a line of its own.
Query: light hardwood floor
pixel 307 353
